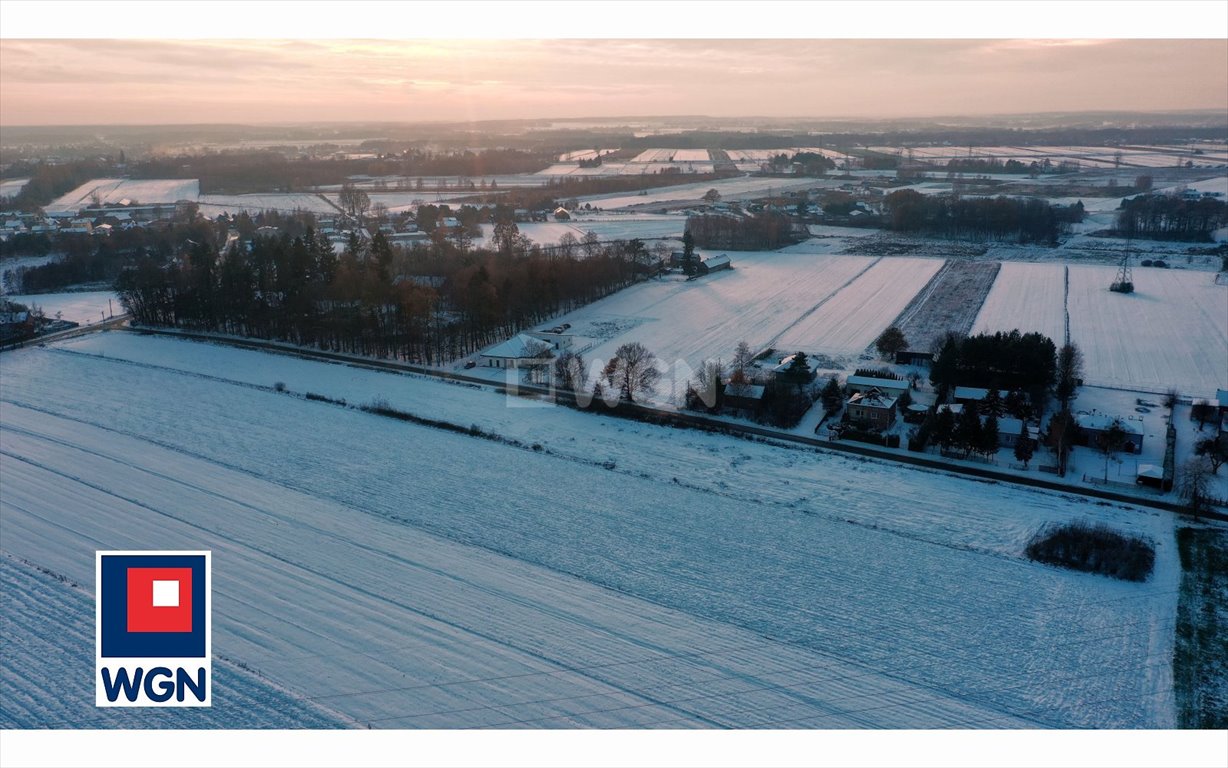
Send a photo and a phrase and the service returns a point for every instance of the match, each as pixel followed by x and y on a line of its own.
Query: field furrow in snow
pixel 434 558
pixel 396 627
pixel 1026 297
pixel 47 668
pixel 855 316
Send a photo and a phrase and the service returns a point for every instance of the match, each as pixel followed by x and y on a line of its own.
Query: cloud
pixel 97 81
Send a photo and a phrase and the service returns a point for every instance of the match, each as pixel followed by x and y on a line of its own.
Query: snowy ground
pixel 85 308
pixel 626 226
pixel 212 205
pixel 12 187
pixel 860 311
pixel 110 191
pixel 47 636
pixel 729 189
pixel 764 296
pixel 1027 297
pixel 411 577
pixel 1171 332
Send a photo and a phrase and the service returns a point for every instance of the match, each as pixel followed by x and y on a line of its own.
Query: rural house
pixel 522 350
pixel 1093 425
pixel 744 397
pixel 873 409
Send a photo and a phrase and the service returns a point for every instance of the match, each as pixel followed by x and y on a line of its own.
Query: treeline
pixel 49 181
pixel 555 187
pixel 1026 220
pixel 87 259
pixel 1171 217
pixel 264 171
pixel 1000 361
pixel 991 165
pixel 764 231
pixel 299 290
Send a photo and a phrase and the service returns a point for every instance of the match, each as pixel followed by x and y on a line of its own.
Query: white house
pixel 516 352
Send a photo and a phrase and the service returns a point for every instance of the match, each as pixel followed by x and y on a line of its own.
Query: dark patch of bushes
pixel 877 373
pixel 324 398
pixel 1093 549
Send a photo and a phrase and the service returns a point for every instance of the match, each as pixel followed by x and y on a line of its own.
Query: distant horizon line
pixel 811 118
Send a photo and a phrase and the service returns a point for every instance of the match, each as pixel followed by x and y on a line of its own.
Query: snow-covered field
pixel 143 191
pixel 672 156
pixel 86 307
pixel 763 296
pixel 729 189
pixel 1028 297
pixel 47 634
pixel 860 311
pixel 12 187
pixel 542 232
pixel 213 205
pixel 409 577
pixel 1171 332
pixel 627 226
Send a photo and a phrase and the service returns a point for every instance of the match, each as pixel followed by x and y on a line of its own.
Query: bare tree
pixel 1214 450
pixel 538 363
pixel 568 245
pixel 739 369
pixel 1109 442
pixel 1194 483
pixel 354 201
pixel 591 244
pixel 569 372
pixel 633 371
pixel 707 388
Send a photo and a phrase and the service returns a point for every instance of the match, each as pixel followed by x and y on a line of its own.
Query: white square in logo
pixel 166 594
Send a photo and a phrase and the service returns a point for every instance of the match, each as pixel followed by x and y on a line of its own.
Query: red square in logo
pixel 159 599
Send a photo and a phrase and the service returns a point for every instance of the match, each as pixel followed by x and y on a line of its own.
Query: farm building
pixel 966 395
pixel 517 352
pixel 1092 425
pixel 745 397
pixel 1151 475
pixel 714 264
pixel 561 214
pixel 1009 430
pixel 872 408
pixel 892 387
pixel 912 357
pixel 557 340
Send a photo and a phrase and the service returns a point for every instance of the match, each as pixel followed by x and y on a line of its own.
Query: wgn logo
pixel 153 629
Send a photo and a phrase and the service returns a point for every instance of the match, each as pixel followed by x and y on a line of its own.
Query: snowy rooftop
pixel 1151 470
pixel 872 399
pixel 1101 421
pixel 752 391
pixel 975 393
pixel 1008 425
pixel 518 347
pixel 871 381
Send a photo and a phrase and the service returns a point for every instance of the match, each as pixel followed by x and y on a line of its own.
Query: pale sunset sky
pixel 136 81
